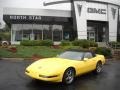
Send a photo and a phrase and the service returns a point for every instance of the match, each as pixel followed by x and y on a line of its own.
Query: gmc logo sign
pixel 97 11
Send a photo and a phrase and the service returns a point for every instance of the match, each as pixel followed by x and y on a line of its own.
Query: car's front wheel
pixel 68 76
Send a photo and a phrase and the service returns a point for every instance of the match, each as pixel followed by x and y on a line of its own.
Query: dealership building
pixel 96 20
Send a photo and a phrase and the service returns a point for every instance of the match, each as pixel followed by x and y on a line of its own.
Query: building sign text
pixel 22 17
pixel 96 10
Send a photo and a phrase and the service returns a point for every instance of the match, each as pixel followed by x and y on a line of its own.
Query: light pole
pixel 56 2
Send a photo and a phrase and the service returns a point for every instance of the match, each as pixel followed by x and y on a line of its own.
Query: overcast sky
pixel 30 4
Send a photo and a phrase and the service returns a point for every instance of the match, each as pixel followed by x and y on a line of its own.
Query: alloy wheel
pixel 68 77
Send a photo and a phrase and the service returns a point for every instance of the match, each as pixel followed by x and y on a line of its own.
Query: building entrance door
pixel 91 35
pixel 97 31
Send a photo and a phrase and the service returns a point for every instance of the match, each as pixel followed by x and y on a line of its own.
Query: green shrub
pixel 5 36
pixel 46 43
pixel 30 43
pixel 84 43
pixel 69 47
pixel 104 51
pixel 114 44
pixel 65 43
pixel 93 44
pixel 25 43
pixel 36 43
pixel 76 42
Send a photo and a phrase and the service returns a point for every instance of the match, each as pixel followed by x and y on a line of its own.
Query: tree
pixel 5 33
pixel 6 28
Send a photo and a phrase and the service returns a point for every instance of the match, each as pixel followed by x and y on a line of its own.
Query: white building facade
pixel 94 12
pixel 96 20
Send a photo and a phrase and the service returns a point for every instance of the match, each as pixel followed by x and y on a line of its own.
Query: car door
pixel 84 66
pixel 89 62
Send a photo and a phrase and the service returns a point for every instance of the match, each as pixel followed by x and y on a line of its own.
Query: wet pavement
pixel 12 77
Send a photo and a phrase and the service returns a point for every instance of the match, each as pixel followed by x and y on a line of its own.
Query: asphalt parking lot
pixel 12 77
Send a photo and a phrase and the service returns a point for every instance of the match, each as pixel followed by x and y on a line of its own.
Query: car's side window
pixel 88 55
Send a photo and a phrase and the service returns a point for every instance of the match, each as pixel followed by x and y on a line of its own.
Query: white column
pixel 32 34
pixel 52 33
pixel 81 21
pixel 11 34
pixel 62 33
pixel 42 31
pixel 113 21
pixel 22 31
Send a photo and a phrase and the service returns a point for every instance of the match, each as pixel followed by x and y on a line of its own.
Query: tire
pixel 98 68
pixel 68 76
pixel 5 43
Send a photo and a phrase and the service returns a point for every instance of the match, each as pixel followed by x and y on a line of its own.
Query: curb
pixel 30 59
pixel 15 59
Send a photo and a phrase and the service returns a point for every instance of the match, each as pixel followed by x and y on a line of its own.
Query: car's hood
pixel 50 65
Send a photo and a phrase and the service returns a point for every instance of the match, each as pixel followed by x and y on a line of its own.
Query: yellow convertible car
pixel 65 67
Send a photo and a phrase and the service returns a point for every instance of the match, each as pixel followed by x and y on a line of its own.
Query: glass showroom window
pixel 16 32
pixel 57 32
pixel 37 31
pixel 28 32
pixel 47 32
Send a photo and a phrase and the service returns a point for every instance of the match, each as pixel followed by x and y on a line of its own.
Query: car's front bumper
pixel 36 75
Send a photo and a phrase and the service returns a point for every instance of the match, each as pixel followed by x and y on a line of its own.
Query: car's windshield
pixel 73 55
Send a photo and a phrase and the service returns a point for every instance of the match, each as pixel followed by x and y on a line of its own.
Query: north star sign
pixel 96 10
pixel 22 17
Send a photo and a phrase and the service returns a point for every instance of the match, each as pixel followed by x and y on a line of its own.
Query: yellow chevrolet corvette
pixel 65 67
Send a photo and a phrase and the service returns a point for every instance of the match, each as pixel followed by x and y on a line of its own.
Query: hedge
pixel 85 43
pixel 114 45
pixel 80 43
pixel 104 51
pixel 36 43
pixel 46 43
pixel 65 43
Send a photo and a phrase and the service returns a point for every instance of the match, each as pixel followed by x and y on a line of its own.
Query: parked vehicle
pixel 5 43
pixel 66 66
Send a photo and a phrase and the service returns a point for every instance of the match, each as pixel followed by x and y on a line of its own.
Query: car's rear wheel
pixel 68 76
pixel 98 68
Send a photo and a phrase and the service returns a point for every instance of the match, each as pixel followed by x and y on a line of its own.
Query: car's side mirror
pixel 85 59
